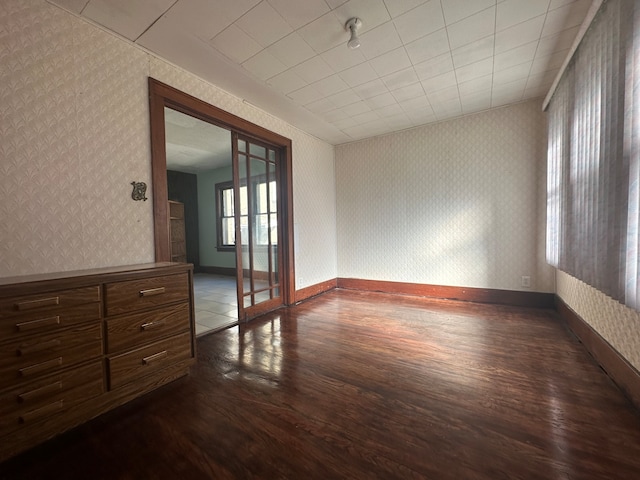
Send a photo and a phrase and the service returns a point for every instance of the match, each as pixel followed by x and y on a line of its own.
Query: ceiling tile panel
pixel 512 74
pixel 389 110
pixel 439 82
pixel 344 98
pixel 371 12
pixel 330 85
pixel 410 91
pixel 515 56
pixel 471 29
pixel 264 24
pixel 380 40
pixel 401 78
pixel 298 13
pixel 513 12
pixel 448 93
pixel 550 62
pixel 325 33
pixel 264 65
pixel 292 50
pixel 359 74
pixel 380 101
pixel 456 10
pixel 398 7
pixel 520 34
pixel 474 70
pixel 371 89
pixel 391 62
pixel 555 43
pixel 235 44
pixel 434 66
pixel 421 21
pixel 356 108
pixel 340 58
pixel 565 17
pixel 287 81
pixel 473 52
pixel 428 47
pixel 305 95
pixel 313 69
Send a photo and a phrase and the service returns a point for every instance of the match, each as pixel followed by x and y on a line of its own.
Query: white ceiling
pixel 420 61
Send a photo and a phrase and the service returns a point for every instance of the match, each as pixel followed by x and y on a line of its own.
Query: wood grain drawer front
pixel 51 395
pixel 127 332
pixel 30 357
pixel 49 321
pixel 132 295
pixel 144 361
pixel 48 302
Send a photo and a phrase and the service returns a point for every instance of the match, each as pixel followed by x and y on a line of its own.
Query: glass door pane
pixel 258 194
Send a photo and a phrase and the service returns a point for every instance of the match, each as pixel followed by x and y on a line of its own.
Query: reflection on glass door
pixel 256 218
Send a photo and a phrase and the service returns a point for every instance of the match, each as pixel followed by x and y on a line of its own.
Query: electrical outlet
pixel 526 281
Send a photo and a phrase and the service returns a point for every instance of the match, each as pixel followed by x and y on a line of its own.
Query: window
pixel 265 217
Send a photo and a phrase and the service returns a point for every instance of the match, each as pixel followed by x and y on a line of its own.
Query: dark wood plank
pixel 367 385
pixel 317 289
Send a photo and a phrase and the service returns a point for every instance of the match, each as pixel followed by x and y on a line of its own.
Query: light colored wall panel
pixel 455 203
pixel 75 133
pixel 616 323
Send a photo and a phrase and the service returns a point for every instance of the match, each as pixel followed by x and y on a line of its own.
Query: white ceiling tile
pixel 359 74
pixel 330 85
pixel 334 115
pixel 565 17
pixel 447 109
pixel 517 86
pixel 550 62
pixel 325 33
pixel 379 40
pixel 537 91
pixel 298 13
pixel 371 12
pixel 506 98
pixel 292 50
pixel 420 104
pixel 380 101
pixel 335 3
pixel 74 6
pixel 512 12
pixel 474 70
pixel 476 104
pixel 389 110
pixel 204 18
pixel 287 81
pixel 473 52
pixel 346 122
pixel 472 28
pixel 321 106
pixel 264 65
pixel 313 69
pixel 540 79
pixel 515 56
pixel 408 92
pixel 391 62
pixel 233 10
pixel 555 43
pixel 428 47
pixel 520 34
pixel 365 117
pixel 235 44
pixel 456 10
pixel 371 89
pixel 344 98
pixel 421 117
pixel 434 66
pixel 305 95
pixel 512 74
pixel 421 21
pixel 477 84
pixel 399 121
pixel 400 79
pixel 341 57
pixel 439 82
pixel 559 3
pixel 264 24
pixel 356 108
pixel 445 94
pixel 398 7
pixel 129 19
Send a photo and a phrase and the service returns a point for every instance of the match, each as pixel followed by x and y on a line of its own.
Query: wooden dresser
pixel 74 345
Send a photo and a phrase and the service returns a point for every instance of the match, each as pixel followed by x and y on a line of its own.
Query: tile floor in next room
pixel 216 303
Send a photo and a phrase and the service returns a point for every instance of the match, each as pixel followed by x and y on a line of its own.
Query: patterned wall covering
pixel 456 203
pixel 75 134
pixel 616 323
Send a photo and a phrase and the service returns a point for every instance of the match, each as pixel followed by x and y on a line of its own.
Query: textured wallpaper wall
pixel 616 323
pixel 456 203
pixel 75 134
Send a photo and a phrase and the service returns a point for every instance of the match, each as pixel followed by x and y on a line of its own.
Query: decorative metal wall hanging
pixel 139 191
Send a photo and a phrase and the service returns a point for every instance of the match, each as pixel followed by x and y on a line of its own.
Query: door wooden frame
pixel 161 96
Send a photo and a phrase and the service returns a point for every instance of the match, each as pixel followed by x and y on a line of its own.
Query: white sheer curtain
pixel 593 197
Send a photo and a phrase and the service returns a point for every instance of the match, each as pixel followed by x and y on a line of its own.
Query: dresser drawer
pixel 132 295
pixel 138 363
pixel 30 357
pixel 47 303
pixel 49 321
pixel 49 396
pixel 132 331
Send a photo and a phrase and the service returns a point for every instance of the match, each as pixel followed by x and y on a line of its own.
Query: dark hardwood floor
pixel 362 385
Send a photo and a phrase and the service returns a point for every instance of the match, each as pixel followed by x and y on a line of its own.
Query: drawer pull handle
pixel 43 302
pixel 154 357
pixel 152 291
pixel 42 322
pixel 38 347
pixel 150 325
pixel 40 367
pixel 41 412
pixel 39 392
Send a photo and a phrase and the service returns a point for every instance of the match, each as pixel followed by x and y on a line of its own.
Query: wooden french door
pixel 257 212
